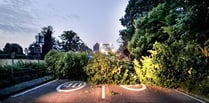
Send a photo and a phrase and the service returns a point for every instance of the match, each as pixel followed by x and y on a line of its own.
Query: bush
pixel 180 64
pixel 22 71
pixel 148 72
pixel 20 65
pixel 104 69
pixel 66 65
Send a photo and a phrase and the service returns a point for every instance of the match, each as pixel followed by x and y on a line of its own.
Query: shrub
pixel 51 60
pixel 148 72
pixel 66 65
pixel 73 65
pixel 22 71
pixel 104 69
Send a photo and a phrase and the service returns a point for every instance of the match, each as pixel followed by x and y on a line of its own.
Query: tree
pixel 32 53
pixel 72 42
pixel 174 36
pixel 13 47
pixel 48 40
pixel 135 9
pixel 1 51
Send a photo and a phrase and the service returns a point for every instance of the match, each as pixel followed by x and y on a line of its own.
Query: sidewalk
pixel 4 93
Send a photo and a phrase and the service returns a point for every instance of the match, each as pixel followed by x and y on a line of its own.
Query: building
pixel 103 47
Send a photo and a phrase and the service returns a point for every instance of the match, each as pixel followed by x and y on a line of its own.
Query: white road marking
pixel 68 85
pixel 103 92
pixel 190 96
pixel 79 84
pixel 70 90
pixel 74 85
pixel 19 94
pixel 133 89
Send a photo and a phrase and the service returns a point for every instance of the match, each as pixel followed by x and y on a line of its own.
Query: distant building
pixel 103 47
pixel 96 47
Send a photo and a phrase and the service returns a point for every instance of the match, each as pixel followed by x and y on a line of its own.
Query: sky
pixel 93 20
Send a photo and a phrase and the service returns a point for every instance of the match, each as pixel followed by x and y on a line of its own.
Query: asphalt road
pixel 98 94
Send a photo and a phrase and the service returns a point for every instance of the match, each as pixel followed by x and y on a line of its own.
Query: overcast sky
pixel 93 20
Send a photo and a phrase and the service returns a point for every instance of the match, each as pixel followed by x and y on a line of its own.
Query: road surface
pixel 50 93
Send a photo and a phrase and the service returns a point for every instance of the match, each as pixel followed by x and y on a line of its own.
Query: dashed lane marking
pixel 103 92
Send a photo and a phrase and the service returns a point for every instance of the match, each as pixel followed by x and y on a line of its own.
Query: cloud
pixel 73 16
pixel 15 16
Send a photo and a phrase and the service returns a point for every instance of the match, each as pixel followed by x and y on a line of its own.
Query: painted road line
pixel 133 89
pixel 69 85
pixel 60 87
pixel 190 96
pixel 79 84
pixel 103 92
pixel 74 85
pixel 19 94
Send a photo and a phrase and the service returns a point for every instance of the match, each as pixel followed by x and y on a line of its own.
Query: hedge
pixel 69 65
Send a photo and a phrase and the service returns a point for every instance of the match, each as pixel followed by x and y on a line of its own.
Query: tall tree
pixel 48 40
pixel 72 42
pixel 134 10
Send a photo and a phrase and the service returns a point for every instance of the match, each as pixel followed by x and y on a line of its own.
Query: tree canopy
pixel 48 40
pixel 135 9
pixel 148 21
pixel 169 40
pixel 72 42
pixel 12 47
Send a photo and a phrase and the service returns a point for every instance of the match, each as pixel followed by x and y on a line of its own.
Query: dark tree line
pixel 70 41
pixel 12 49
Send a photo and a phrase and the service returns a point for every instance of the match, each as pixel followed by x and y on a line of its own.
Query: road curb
pixel 199 99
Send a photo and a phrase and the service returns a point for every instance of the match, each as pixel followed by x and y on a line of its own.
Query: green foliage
pixel 72 42
pixel 134 10
pixel 149 71
pixel 172 65
pixel 109 69
pixel 51 58
pixel 22 71
pixel 20 65
pixel 148 30
pixel 179 42
pixel 66 65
